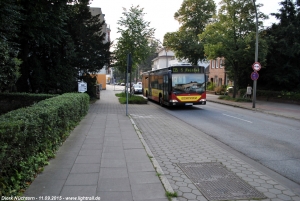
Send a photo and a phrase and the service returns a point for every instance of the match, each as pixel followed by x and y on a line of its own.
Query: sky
pixel 160 13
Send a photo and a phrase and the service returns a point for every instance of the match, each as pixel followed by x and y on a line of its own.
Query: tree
pixel 9 63
pixel 193 16
pixel 135 34
pixel 154 47
pixel 282 71
pixel 9 67
pixel 42 32
pixel 232 36
pixel 57 39
pixel 92 51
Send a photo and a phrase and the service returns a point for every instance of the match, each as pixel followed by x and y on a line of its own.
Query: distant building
pixel 216 73
pixel 165 59
pixel 105 74
pixel 105 29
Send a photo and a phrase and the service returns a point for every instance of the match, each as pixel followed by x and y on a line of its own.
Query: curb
pixel 157 167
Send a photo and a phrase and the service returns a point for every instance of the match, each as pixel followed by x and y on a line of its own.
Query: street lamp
pixel 256 56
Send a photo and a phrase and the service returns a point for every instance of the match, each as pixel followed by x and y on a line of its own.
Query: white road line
pixel 238 118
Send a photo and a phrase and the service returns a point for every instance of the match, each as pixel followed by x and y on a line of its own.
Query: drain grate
pixel 216 182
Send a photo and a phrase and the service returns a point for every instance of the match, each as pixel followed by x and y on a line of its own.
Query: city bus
pixel 176 85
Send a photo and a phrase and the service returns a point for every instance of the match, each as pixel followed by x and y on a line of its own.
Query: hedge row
pixel 292 96
pixel 13 101
pixel 30 136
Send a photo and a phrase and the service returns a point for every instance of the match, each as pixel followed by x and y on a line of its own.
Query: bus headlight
pixel 173 101
pixel 202 100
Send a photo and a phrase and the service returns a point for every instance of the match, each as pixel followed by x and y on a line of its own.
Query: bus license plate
pixel 189 104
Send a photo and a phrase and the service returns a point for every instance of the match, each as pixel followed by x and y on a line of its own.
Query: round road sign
pixel 256 66
pixel 254 75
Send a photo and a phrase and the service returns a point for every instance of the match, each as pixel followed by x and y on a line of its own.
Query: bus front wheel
pixel 161 102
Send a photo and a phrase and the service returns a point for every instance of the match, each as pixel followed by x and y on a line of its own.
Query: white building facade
pixel 163 60
pixel 167 58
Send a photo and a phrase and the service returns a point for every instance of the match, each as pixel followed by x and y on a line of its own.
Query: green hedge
pixel 279 95
pixel 30 136
pixel 132 99
pixel 13 101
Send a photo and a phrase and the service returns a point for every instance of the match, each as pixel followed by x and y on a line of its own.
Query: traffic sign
pixel 254 75
pixel 256 66
pixel 82 86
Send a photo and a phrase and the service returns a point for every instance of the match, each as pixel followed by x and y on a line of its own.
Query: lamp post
pixel 256 56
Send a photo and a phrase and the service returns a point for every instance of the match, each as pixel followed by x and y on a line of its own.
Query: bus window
pixel 186 83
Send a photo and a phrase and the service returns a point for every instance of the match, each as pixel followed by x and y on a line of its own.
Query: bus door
pixel 166 88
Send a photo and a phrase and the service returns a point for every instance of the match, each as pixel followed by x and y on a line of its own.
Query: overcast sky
pixel 160 13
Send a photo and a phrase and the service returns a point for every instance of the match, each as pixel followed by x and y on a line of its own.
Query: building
pixel 167 58
pixel 104 75
pixel 163 58
pixel 216 73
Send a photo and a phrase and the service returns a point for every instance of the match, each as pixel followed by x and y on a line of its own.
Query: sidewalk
pixel 280 109
pixel 102 157
pixel 116 157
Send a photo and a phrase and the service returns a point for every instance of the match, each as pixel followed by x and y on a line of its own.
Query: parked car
pixel 122 84
pixel 229 89
pixel 136 88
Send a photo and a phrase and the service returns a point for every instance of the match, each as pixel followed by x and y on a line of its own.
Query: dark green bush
pixel 293 96
pixel 132 99
pixel 30 136
pixel 13 101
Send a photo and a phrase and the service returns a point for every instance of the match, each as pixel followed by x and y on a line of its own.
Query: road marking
pixel 238 118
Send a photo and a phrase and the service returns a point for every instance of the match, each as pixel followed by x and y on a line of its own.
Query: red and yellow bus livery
pixel 176 85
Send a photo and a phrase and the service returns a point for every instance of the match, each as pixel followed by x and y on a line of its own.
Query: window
pixel 217 63
pixel 221 63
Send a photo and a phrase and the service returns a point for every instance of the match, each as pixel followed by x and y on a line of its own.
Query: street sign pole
pixel 128 69
pixel 256 57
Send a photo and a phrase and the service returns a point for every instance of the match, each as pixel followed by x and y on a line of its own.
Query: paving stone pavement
pixel 173 141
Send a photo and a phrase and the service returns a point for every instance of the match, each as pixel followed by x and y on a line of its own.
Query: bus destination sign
pixel 186 70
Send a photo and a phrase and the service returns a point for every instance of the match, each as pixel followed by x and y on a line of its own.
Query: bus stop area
pixel 112 157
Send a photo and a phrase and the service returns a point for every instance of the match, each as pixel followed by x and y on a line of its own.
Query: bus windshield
pixel 188 83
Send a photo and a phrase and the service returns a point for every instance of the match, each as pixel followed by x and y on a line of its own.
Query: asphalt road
pixel 270 140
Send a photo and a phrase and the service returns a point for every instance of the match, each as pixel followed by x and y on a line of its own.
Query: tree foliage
pixel 232 36
pixel 57 39
pixel 282 71
pixel 92 53
pixel 135 33
pixel 193 15
pixel 9 63
pixel 154 46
